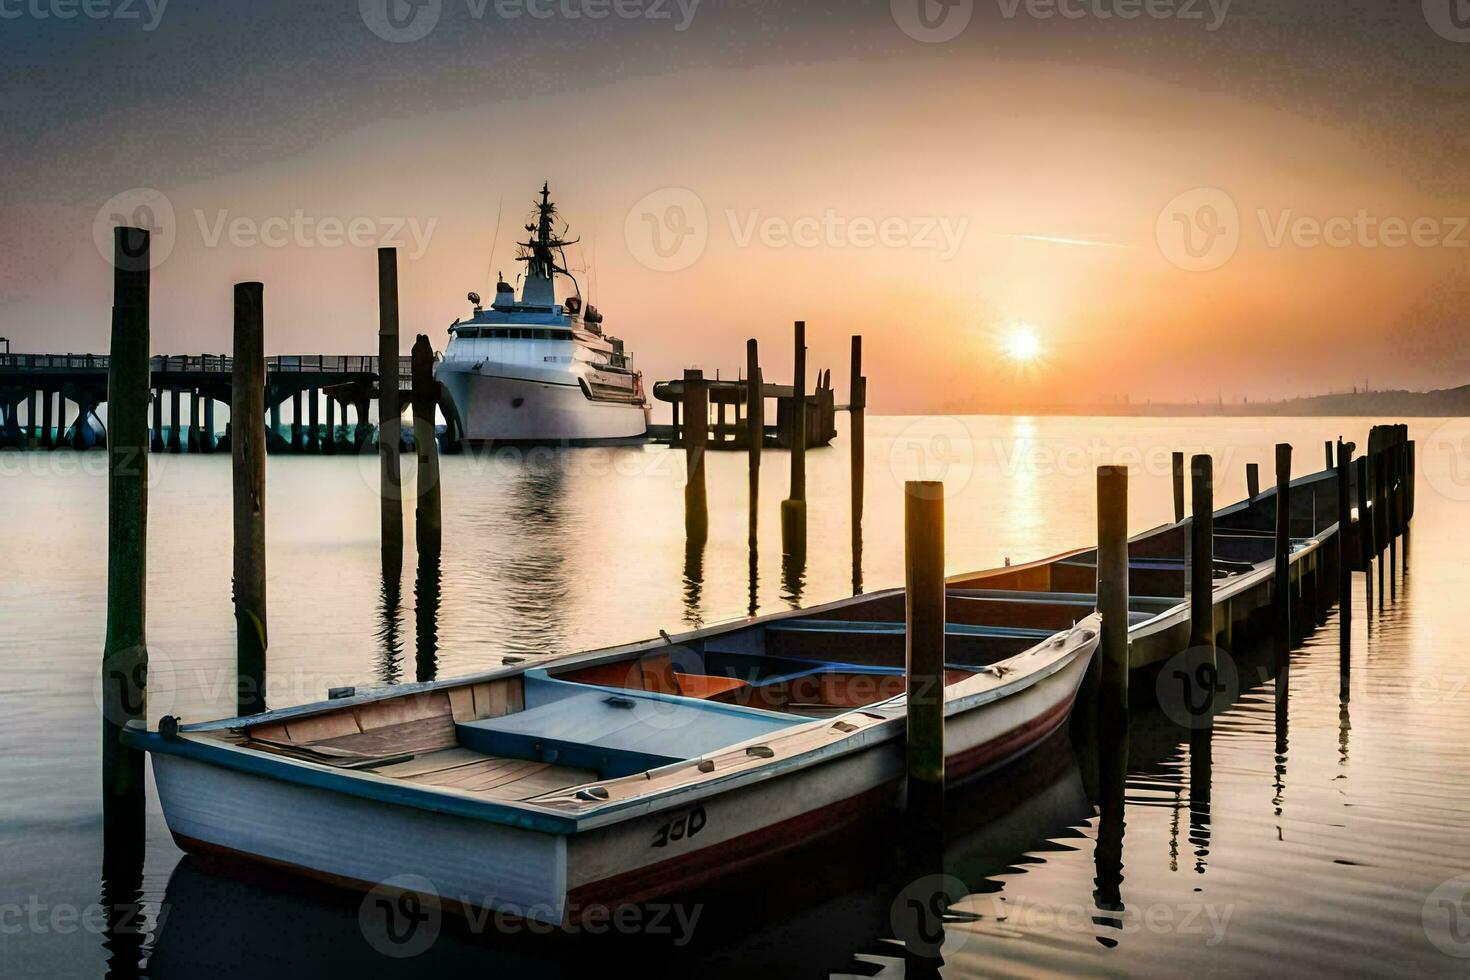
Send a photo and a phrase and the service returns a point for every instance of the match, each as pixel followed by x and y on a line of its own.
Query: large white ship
pixel 531 369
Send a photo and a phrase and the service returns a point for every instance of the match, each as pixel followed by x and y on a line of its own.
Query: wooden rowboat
pixel 544 789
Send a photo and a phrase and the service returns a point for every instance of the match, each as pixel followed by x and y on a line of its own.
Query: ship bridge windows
pixel 514 333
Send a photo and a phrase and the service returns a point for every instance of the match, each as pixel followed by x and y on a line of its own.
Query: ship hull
pixel 498 409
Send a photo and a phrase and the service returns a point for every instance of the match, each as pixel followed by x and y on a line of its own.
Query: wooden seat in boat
pixel 655 673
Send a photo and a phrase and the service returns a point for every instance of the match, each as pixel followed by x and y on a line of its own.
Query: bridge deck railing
pixel 210 363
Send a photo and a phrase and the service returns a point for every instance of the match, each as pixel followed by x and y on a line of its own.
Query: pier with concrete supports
pixel 50 401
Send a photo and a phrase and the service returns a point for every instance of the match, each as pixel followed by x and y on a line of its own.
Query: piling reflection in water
pixel 1112 766
pixel 426 618
pixel 390 644
pixel 694 580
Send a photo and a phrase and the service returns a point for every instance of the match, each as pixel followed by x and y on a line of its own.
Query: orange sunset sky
pixel 1034 174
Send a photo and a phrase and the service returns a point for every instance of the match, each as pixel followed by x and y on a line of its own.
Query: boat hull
pixel 500 409
pixel 557 878
pixel 641 859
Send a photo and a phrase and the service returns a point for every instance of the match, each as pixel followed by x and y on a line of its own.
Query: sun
pixel 1022 343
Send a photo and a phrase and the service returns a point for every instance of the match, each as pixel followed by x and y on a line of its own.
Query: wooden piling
pixel 1365 533
pixel 313 413
pixel 390 490
pixel 1202 560
pixel 329 446
pixel 924 644
pixel 695 439
pixel 46 440
pixel 61 439
pixel 1253 480
pixel 175 418
pixel 793 509
pixel 247 449
pixel 297 431
pixel 428 529
pixel 1344 551
pixel 31 430
pixel 157 442
pixel 1281 606
pixel 755 433
pixel 1176 468
pixel 1112 589
pixel 125 653
pixel 195 443
pixel 208 441
pixel 1327 447
pixel 1380 513
pixel 857 403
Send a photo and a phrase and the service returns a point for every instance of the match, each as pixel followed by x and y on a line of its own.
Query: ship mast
pixel 540 252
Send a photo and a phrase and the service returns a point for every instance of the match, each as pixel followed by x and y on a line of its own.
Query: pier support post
pixel 296 429
pixel 924 643
pixel 273 437
pixel 1344 550
pixel 793 509
pixel 157 442
pixel 390 490
pixel 1253 480
pixel 1112 590
pixel 313 437
pixel 1176 469
pixel 46 440
pixel 857 404
pixel 195 411
pixel 695 439
pixel 208 442
pixel 1327 447
pixel 175 422
pixel 61 439
pixel 1281 593
pixel 125 655
pixel 247 447
pixel 428 530
pixel 32 430
pixel 330 445
pixel 1202 562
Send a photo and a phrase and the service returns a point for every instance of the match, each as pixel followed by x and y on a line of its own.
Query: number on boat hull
pixel 681 827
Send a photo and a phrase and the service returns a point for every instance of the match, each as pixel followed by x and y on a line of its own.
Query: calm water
pixel 1324 838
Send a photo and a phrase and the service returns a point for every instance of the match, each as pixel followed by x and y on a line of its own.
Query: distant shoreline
pixel 1441 403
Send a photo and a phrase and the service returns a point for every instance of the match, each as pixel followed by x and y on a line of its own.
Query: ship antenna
pixel 495 242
